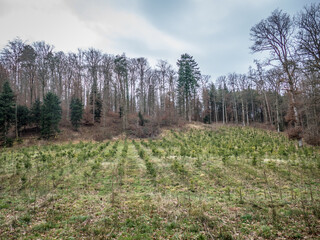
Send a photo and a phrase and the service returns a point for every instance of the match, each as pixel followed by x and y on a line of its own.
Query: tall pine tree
pixel 50 115
pixel 189 75
pixel 121 70
pixel 7 110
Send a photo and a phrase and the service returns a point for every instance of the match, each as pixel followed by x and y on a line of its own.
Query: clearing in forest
pixel 227 183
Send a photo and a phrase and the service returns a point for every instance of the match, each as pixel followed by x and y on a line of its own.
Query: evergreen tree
pixel 7 110
pixel 22 117
pixel 76 108
pixel 35 113
pixel 121 70
pixel 96 102
pixel 189 75
pixel 50 115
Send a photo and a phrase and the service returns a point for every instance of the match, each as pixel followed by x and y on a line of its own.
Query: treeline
pixel 282 90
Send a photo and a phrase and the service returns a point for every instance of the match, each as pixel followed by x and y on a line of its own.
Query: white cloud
pixel 113 24
pixel 215 32
pixel 44 20
pixel 69 25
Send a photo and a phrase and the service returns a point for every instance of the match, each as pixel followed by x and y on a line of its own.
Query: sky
pixel 215 32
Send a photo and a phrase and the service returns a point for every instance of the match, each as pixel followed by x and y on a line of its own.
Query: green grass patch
pixel 228 183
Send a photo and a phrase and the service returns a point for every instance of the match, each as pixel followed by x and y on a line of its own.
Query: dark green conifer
pixel 189 75
pixel 7 110
pixel 50 115
pixel 22 117
pixel 35 113
pixel 96 102
pixel 76 108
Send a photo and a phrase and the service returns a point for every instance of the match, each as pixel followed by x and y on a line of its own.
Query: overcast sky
pixel 214 32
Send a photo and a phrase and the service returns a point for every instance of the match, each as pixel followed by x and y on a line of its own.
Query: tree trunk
pixel 277 110
pixel 296 116
pixel 235 111
pixel 243 116
pixel 16 119
pixel 223 111
pixel 226 114
pixel 247 113
pixel 293 101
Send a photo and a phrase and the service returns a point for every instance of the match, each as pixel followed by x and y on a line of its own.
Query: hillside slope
pixel 226 183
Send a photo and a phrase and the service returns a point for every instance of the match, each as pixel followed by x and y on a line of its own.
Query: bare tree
pixel 107 69
pixel 11 57
pixel 232 82
pixel 275 78
pixel 258 77
pixel 28 65
pixel 162 68
pixel 207 113
pixel 44 51
pixel 221 81
pixel 308 36
pixel 132 81
pixel 93 58
pixel 143 68
pixel 170 99
pixel 308 41
pixel 242 86
pixel 274 35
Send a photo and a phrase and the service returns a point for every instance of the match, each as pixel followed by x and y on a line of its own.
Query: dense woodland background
pixel 281 91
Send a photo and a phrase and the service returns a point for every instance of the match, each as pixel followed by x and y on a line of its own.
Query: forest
pixel 41 87
pixel 103 146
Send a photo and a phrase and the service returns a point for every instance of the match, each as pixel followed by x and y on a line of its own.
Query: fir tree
pixel 22 117
pixel 189 76
pixel 76 107
pixel 121 70
pixel 50 115
pixel 96 102
pixel 7 110
pixel 35 113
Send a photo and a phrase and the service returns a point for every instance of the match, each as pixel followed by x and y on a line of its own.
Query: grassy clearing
pixel 231 183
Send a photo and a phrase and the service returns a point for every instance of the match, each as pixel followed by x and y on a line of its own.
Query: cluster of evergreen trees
pixel 43 116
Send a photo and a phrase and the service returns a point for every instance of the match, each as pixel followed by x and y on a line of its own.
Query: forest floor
pixel 198 182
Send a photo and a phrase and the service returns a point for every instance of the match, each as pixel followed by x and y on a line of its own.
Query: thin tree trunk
pixel 267 107
pixel 243 116
pixel 235 111
pixel 252 108
pixel 16 119
pixel 277 110
pixel 215 112
pixel 247 113
pixel 226 114
pixel 296 116
pixel 223 111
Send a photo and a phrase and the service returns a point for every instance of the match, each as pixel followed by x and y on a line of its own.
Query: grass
pixel 230 183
